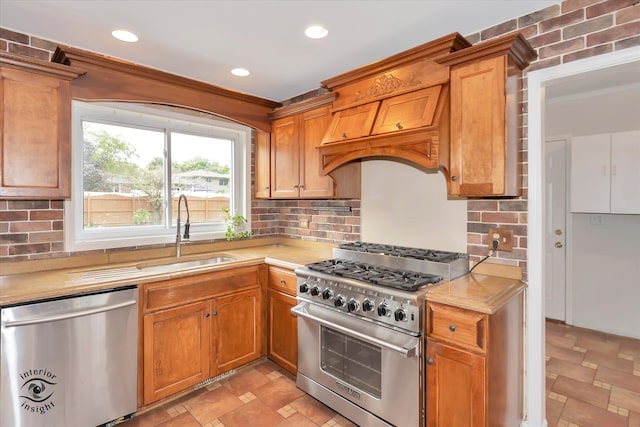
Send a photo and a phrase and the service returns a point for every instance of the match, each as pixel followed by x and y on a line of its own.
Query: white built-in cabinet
pixel 605 173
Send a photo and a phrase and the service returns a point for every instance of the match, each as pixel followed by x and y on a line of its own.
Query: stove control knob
pixel 353 305
pixel 400 315
pixel 327 294
pixel 339 302
pixel 304 288
pixel 367 305
pixel 383 310
pixel 315 291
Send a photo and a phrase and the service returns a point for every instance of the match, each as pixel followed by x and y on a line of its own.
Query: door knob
pixel 558 244
pixel 558 232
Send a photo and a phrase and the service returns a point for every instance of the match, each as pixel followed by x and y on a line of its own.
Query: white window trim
pixel 79 239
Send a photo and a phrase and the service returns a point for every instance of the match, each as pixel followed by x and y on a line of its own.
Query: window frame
pixel 155 117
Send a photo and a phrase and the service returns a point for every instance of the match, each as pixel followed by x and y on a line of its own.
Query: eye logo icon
pixel 37 390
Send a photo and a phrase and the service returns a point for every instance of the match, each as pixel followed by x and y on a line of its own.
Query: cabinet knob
pixel 558 245
pixel 452 328
pixel 429 361
pixel 266 188
pixel 282 281
pixel 454 178
pixel 215 313
pixel 206 315
pixel 399 126
pixel 344 136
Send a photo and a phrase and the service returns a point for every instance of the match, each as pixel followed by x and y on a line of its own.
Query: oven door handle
pixel 408 350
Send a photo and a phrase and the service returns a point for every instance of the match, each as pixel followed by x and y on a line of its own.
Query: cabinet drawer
pixel 283 280
pixel 460 327
pixel 203 286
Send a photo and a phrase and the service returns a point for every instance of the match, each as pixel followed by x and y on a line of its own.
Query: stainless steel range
pixel 360 328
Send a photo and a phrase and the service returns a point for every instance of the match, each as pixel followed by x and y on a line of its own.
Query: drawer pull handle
pixel 452 328
pixel 429 361
pixel 283 282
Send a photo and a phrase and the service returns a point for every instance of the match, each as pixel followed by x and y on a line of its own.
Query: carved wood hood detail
pixel 397 107
pixel 400 107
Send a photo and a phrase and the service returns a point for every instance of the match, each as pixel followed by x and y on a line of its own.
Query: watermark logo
pixel 37 390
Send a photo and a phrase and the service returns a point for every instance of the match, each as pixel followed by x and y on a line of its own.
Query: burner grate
pixel 401 251
pixel 393 278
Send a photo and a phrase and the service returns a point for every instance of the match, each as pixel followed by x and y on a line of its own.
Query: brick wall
pixel 562 33
pixel 568 31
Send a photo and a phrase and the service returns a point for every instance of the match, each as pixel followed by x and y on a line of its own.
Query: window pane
pixel 123 176
pixel 201 170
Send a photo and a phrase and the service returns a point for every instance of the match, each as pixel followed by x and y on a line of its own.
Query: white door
pixel 555 230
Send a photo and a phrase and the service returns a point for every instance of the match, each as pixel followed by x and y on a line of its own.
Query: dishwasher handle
pixel 64 316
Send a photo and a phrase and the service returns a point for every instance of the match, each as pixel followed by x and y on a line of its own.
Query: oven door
pixel 359 368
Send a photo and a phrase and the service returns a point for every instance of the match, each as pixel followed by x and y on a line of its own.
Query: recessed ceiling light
pixel 125 36
pixel 240 72
pixel 316 32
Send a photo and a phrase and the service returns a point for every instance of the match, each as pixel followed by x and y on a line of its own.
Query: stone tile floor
pixel 593 380
pixel 258 395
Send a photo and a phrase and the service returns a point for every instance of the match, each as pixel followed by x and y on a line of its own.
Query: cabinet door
pixel 285 151
pixel 455 387
pixel 590 173
pixel 625 173
pixel 237 325
pixel 313 127
pixel 352 123
pixel 262 165
pixel 35 156
pixel 478 129
pixel 176 349
pixel 408 111
pixel 283 331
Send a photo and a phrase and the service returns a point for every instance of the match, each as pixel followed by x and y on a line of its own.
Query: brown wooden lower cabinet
pixel 176 349
pixel 282 345
pixel 237 330
pixel 197 327
pixel 474 366
pixel 455 387
pixel 283 331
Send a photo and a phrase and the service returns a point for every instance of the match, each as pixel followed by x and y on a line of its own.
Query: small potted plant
pixel 235 223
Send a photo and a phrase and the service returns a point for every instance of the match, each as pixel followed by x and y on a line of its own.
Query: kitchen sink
pixel 148 268
pixel 182 265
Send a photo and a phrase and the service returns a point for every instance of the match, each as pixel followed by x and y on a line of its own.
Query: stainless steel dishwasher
pixel 71 361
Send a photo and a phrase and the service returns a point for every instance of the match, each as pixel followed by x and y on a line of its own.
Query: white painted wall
pixel 606 274
pixel 615 111
pixel 402 205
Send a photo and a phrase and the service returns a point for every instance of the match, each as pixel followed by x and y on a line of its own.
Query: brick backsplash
pixel 561 33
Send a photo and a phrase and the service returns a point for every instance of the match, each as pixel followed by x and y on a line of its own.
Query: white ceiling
pixel 205 39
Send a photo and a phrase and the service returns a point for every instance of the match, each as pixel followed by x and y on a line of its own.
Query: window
pixel 131 162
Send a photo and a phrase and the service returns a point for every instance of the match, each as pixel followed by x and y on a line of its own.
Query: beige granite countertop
pixel 485 290
pixel 120 269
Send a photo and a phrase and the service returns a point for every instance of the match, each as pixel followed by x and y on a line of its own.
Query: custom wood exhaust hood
pixel 397 107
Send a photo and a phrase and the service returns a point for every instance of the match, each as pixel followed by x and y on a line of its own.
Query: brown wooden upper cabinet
pixel 485 118
pixel 403 112
pixel 262 165
pixel 295 171
pixel 35 121
pixel 295 166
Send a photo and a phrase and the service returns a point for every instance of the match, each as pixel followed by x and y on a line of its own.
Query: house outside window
pixel 131 162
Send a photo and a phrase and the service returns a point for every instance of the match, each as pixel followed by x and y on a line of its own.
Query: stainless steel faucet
pixel 186 225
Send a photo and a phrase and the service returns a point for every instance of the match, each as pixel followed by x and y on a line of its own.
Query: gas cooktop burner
pixel 392 278
pixel 401 251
